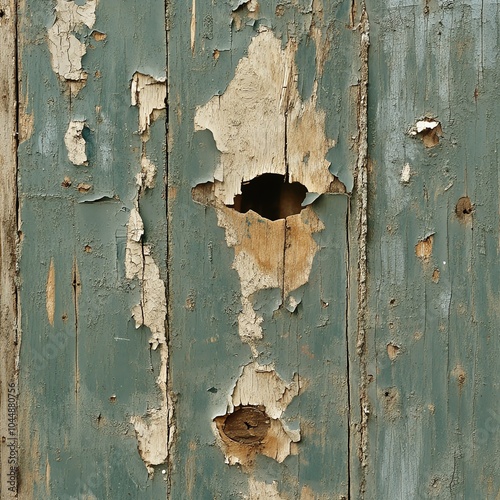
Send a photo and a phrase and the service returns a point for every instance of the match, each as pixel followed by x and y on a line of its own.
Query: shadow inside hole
pixel 271 196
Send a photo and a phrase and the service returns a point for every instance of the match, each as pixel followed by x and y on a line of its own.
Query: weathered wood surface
pixel 86 371
pixel 259 88
pixel 299 366
pixel 8 236
pixel 434 306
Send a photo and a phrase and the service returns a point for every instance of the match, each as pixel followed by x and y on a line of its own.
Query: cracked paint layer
pixel 65 48
pixel 152 308
pixel 272 136
pixel 153 430
pixel 280 134
pixel 148 94
pixel 75 143
pixel 261 388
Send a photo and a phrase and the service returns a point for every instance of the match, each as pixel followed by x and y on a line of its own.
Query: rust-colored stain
pixel 98 36
pixel 435 275
pixel 423 249
pixel 459 374
pixel 83 187
pixel 392 351
pixel 50 293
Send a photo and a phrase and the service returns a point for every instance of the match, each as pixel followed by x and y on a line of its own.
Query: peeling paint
pixel 152 309
pixel 282 135
pixel 271 138
pixel 259 490
pixel 65 48
pixel 423 249
pixel 148 94
pixel 154 429
pixel 146 178
pixel 50 293
pixel 260 387
pixel 406 174
pixel 429 130
pixel 151 431
pixel 75 143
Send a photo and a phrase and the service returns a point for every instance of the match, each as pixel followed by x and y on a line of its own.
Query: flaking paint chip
pixel 429 130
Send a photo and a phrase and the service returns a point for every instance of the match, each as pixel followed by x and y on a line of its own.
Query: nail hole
pixel 271 196
pixel 464 208
pixel 247 425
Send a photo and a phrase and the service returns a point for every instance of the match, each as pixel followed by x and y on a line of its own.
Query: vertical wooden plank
pixel 93 252
pixel 8 235
pixel 258 338
pixel 434 423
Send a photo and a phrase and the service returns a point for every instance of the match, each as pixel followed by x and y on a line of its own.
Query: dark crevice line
pixel 76 286
pixel 348 367
pixel 168 381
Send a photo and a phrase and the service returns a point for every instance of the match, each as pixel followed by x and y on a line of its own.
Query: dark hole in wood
pixel 271 196
pixel 2 13
pixel 463 208
pixel 247 425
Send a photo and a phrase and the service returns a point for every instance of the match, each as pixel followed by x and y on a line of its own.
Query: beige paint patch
pixel 139 263
pixel 250 123
pixel 268 254
pixel 75 143
pixel 151 432
pixel 50 293
pixel 149 95
pixel 193 25
pixel 259 389
pixel 406 174
pixel 65 48
pixel 154 431
pixel 279 134
pixel 146 178
pixel 259 490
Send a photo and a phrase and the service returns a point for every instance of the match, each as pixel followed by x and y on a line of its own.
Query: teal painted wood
pixel 434 425
pixel 83 377
pixel 207 354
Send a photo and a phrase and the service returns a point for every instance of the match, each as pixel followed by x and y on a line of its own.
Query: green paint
pixel 82 379
pixel 434 414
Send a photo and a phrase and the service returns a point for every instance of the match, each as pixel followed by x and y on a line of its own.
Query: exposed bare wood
pixel 8 231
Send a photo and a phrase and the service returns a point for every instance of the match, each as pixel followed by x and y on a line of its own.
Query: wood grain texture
pixel 433 270
pixel 8 236
pixel 86 369
pixel 228 277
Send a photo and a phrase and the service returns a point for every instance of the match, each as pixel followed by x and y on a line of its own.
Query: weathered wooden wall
pixel 434 306
pixel 87 372
pixel 8 236
pixel 175 347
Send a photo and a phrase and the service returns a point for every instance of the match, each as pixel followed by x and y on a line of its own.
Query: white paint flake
pixel 406 174
pixel 139 263
pixel 153 430
pixel 65 48
pixel 75 143
pixel 423 125
pixel 148 94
